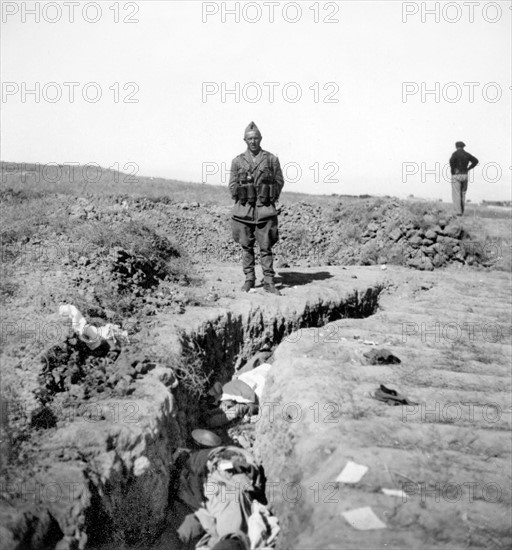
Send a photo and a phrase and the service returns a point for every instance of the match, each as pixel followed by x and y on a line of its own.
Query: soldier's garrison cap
pixel 252 128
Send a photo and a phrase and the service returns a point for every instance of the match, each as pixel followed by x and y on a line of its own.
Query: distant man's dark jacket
pixel 243 163
pixel 460 161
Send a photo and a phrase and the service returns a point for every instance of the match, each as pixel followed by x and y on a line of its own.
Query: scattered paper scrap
pixel 394 493
pixel 363 519
pixel 352 473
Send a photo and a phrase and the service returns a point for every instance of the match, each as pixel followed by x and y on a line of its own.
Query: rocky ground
pixel 79 428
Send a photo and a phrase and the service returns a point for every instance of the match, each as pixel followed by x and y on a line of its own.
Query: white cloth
pixel 262 527
pixel 141 466
pixel 256 378
pixel 90 334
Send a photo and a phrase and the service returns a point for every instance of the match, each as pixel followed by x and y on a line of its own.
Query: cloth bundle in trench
pixel 224 489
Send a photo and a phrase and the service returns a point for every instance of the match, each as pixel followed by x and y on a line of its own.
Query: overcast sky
pixel 356 127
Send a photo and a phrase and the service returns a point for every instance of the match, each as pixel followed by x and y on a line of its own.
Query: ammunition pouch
pixel 264 193
pixel 242 187
pixel 246 192
pixel 242 193
pixel 274 195
pixel 234 193
pixel 251 193
pixel 268 192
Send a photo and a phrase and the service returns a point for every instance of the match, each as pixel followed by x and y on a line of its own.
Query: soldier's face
pixel 253 140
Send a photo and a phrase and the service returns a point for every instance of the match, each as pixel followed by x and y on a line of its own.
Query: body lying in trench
pixel 221 492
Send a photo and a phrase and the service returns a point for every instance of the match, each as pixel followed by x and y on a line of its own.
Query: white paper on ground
pixel 352 473
pixel 363 519
pixel 394 492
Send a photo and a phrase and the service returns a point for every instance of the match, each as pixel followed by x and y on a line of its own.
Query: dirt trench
pixel 115 507
pixel 229 341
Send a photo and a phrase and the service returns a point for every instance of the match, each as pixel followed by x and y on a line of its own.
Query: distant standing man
pixel 461 162
pixel 255 184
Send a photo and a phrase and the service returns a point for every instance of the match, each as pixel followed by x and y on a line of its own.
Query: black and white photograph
pixel 255 275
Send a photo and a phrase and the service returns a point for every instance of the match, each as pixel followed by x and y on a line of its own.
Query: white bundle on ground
pixel 91 335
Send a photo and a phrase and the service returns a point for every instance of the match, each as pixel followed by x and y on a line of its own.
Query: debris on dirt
pixel 391 397
pixel 381 356
pixel 395 493
pixel 76 372
pixel 91 335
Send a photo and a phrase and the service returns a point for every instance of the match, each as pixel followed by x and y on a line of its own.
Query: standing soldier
pixel 461 162
pixel 255 185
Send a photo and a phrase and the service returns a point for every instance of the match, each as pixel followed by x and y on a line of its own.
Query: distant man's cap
pixel 460 144
pixel 252 128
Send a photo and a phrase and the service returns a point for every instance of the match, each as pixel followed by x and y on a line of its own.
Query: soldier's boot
pixel 249 283
pixel 270 287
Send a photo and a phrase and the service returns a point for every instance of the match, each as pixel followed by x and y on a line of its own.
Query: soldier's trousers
pixel 459 189
pixel 266 234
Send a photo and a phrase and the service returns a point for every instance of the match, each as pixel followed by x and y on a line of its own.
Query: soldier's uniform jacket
pixel 264 169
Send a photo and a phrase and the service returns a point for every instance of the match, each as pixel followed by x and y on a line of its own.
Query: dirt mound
pixel 83 373
pixel 363 232
pixel 377 231
pixel 118 276
pixel 148 239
